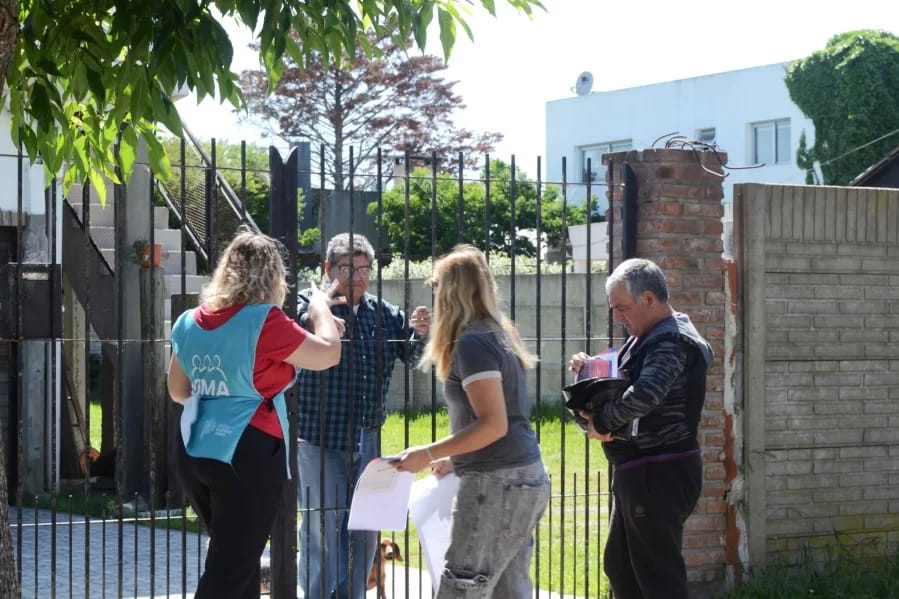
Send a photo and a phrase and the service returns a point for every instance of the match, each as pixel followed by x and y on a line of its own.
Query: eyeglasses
pixel 346 270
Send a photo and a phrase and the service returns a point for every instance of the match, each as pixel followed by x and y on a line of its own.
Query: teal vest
pixel 219 364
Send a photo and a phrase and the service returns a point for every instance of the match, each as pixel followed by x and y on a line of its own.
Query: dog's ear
pixel 397 555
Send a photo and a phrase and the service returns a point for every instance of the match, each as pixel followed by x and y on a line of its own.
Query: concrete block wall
pixel 539 317
pixel 819 291
pixel 679 226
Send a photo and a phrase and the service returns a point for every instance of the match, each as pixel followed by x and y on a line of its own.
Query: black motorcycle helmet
pixel 591 395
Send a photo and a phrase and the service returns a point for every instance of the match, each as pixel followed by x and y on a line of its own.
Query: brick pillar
pixel 679 228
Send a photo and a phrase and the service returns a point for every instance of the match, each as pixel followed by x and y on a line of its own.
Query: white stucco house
pixel 746 113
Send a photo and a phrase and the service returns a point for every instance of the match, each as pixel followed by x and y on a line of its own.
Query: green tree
pixel 449 202
pixel 850 91
pixel 230 164
pixel 85 79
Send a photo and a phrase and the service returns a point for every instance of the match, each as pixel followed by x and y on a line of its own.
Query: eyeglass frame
pixel 347 270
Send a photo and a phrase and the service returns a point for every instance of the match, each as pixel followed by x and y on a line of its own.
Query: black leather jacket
pixel 667 373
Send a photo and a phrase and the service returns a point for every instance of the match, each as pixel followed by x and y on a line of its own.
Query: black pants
pixel 237 504
pixel 643 557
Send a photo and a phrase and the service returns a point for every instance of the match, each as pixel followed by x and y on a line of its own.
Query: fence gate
pixel 89 290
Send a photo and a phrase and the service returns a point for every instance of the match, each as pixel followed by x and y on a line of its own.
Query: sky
pixel 516 64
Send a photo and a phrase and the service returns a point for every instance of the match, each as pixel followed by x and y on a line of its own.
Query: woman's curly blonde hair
pixel 250 271
pixel 466 293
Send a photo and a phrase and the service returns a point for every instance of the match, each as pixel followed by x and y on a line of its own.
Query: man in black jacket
pixel 649 435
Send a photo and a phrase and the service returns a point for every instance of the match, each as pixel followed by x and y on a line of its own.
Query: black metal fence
pixel 97 510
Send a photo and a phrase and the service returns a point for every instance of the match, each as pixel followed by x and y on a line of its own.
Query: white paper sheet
pixel 431 505
pixel 189 416
pixel 381 498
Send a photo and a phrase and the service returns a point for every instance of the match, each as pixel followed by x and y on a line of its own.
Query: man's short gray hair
pixel 639 275
pixel 339 247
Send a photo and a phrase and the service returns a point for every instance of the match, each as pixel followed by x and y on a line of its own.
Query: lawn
pixel 570 535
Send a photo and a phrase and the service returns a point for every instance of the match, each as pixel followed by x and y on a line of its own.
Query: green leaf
pixel 447 31
pixel 40 105
pixel 68 179
pixel 127 151
pixel 139 101
pixel 159 160
pixel 79 153
pixel 95 83
pixel 249 13
pixel 98 183
pixel 78 82
pixel 49 67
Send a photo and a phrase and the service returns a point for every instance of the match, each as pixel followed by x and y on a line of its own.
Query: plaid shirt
pixel 335 405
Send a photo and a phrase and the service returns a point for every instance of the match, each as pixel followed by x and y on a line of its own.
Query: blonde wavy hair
pixel 250 271
pixel 466 293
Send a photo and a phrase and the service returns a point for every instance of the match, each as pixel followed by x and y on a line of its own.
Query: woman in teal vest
pixel 232 359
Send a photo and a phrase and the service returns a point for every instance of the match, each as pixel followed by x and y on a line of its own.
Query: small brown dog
pixel 387 551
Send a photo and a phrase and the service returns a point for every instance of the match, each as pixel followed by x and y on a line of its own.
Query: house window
pixel 706 136
pixel 771 142
pixel 593 155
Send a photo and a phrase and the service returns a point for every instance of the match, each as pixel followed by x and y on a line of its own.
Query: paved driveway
pixel 80 560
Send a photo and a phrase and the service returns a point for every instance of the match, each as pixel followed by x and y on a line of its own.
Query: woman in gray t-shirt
pixel 503 486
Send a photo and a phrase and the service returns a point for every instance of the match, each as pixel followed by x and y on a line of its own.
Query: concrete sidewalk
pixel 81 560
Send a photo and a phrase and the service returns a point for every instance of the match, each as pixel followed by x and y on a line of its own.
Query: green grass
pixel 96 423
pixel 571 533
pixel 105 506
pixel 848 574
pixel 568 558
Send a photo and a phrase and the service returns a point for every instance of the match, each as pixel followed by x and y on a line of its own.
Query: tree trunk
pixel 9 582
pixel 9 35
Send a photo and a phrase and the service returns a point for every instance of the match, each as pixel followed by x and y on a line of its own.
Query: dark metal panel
pixel 283 223
pixel 41 308
pixel 629 214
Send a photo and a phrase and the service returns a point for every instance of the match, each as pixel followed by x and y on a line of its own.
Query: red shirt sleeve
pixel 280 337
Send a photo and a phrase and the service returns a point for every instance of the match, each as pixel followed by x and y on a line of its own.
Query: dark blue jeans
pixel 333 561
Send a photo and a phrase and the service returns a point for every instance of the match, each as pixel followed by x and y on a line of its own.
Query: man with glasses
pixel 340 414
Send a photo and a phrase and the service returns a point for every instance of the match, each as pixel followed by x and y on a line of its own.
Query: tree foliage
pixel 253 188
pixel 87 78
pixel 395 101
pixel 438 211
pixel 850 91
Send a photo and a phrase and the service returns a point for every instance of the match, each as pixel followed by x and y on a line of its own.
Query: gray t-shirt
pixel 483 352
